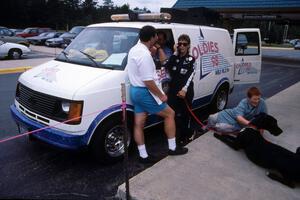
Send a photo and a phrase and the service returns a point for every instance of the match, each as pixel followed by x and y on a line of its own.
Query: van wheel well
pixel 220 98
pixel 107 145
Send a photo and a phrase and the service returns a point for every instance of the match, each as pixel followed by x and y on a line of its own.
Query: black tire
pixel 220 99
pixel 15 53
pixel 101 147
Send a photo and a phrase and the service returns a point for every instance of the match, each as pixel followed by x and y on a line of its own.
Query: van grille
pixel 43 104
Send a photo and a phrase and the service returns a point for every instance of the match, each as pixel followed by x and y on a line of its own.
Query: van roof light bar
pixel 142 17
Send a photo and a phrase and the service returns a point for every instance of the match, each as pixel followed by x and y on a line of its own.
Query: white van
pixel 83 82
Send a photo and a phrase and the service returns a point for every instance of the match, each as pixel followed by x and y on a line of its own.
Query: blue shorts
pixel 143 101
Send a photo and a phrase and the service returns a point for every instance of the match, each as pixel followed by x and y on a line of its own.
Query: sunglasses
pixel 183 43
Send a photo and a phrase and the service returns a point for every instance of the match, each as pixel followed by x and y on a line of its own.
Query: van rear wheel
pixel 220 99
pixel 107 145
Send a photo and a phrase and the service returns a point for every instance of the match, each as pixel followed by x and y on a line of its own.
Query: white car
pixel 294 41
pixel 12 50
pixel 297 45
pixel 82 86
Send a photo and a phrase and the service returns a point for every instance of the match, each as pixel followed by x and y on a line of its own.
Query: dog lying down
pixel 283 165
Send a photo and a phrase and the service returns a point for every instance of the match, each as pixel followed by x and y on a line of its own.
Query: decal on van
pixel 209 56
pixel 48 74
pixel 245 68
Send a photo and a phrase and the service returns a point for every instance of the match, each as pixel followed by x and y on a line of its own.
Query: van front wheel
pixel 107 145
pixel 220 99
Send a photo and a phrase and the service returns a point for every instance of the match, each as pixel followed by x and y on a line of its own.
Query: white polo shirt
pixel 140 65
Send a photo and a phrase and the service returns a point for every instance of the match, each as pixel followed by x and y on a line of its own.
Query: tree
pixel 56 14
pixel 108 3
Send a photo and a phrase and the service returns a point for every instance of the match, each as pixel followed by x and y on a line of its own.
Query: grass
pixel 285 45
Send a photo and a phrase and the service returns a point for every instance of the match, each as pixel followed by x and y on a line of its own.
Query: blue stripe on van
pixel 102 116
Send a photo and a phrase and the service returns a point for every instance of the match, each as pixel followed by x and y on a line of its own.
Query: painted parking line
pixel 14 70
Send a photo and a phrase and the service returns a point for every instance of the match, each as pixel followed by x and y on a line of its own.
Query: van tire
pixel 14 53
pixel 220 99
pixel 104 136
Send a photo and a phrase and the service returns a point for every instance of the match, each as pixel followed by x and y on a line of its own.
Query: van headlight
pixel 73 109
pixel 65 106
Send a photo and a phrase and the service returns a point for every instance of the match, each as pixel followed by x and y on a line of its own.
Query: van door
pixel 247 55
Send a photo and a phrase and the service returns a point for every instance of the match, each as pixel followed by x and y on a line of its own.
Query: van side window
pixel 247 44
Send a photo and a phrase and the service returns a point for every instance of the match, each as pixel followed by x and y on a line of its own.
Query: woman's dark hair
pixel 163 34
pixel 253 91
pixel 146 33
pixel 185 38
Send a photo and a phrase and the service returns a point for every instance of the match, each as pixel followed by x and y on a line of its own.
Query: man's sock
pixel 172 144
pixel 142 151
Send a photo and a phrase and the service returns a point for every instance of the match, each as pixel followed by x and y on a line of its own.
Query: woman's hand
pixel 181 94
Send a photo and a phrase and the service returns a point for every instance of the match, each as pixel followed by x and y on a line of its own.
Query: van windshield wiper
pixel 66 55
pixel 90 57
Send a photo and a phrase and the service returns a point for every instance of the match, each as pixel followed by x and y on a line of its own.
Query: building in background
pixel 278 20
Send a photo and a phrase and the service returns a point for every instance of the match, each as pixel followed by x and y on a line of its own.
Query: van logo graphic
pixel 245 68
pixel 48 74
pixel 207 54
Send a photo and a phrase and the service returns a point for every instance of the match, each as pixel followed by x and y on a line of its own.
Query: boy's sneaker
pixel 298 151
pixel 178 151
pixel 149 160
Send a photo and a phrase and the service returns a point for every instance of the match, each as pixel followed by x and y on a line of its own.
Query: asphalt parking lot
pixel 34 170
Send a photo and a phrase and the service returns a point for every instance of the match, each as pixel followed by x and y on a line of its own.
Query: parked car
pixel 41 38
pixel 16 30
pixel 56 42
pixel 30 32
pixel 297 45
pixel 69 36
pixel 6 35
pixel 12 50
pixel 294 41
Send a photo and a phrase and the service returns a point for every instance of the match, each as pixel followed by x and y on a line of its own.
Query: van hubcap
pixel 114 143
pixel 221 100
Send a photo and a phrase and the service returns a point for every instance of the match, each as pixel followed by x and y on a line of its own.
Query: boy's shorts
pixel 143 101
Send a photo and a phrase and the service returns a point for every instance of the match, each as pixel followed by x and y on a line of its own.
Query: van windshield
pixel 102 47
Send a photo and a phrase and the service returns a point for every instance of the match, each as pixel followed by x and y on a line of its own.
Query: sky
pixel 152 5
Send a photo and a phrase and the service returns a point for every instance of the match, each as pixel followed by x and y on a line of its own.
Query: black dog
pixel 285 165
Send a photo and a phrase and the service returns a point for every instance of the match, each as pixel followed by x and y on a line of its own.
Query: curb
pixel 14 70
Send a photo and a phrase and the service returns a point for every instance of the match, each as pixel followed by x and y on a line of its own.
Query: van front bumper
pixel 50 135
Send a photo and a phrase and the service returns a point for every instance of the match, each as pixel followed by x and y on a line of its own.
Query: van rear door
pixel 247 55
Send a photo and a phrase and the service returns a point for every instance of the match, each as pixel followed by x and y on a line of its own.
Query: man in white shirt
pixel 146 95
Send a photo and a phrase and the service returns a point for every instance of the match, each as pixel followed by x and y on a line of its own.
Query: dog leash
pixel 203 126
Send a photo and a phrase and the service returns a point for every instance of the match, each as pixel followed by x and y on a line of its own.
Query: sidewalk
pixel 23 63
pixel 213 171
pixel 30 62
